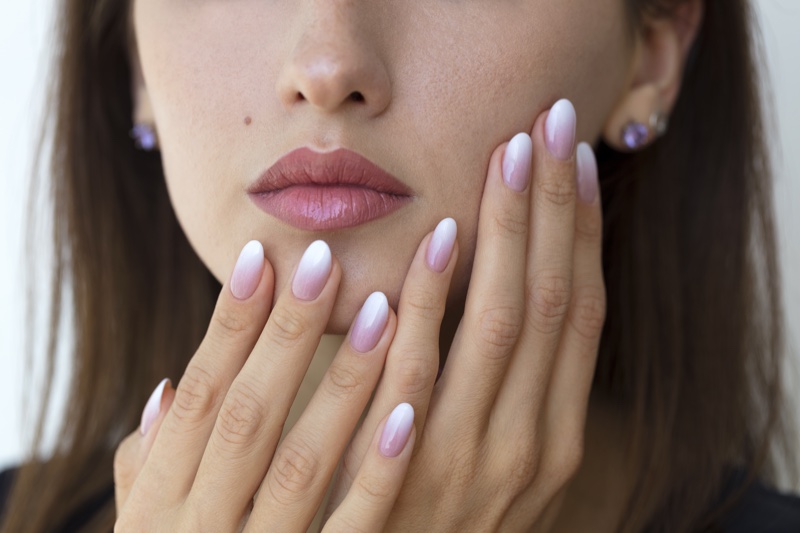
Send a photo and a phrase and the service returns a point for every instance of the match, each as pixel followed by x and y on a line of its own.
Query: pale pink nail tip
pixel 441 245
pixel 587 173
pixel 370 322
pixel 397 430
pixel 517 162
pixel 312 271
pixel 560 129
pixel 153 407
pixel 247 272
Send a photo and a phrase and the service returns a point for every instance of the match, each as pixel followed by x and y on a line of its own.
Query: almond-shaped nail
pixel 560 128
pixel 517 162
pixel 370 323
pixel 152 407
pixel 441 244
pixel 312 271
pixel 587 173
pixel 247 272
pixel 397 430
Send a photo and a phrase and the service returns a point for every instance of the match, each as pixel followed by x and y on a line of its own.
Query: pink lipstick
pixel 317 191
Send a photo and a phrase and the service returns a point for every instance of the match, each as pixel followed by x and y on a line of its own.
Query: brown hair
pixel 693 340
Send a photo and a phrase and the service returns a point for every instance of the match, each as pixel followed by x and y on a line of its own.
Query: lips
pixel 325 191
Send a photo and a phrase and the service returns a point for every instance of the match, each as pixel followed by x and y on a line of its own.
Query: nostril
pixel 356 96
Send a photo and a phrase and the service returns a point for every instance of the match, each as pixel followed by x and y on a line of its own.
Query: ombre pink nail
pixel 517 162
pixel 397 430
pixel 247 272
pixel 153 407
pixel 370 323
pixel 559 130
pixel 587 173
pixel 313 271
pixel 441 245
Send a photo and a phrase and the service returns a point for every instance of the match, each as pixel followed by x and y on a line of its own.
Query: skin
pixel 445 86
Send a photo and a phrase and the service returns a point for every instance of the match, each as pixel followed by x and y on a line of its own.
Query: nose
pixel 335 64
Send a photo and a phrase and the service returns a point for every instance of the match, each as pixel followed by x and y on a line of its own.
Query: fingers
pixel 413 360
pixel 239 317
pixel 577 354
pixel 495 305
pixel 132 452
pixel 254 410
pixel 372 495
pixel 304 462
pixel 549 275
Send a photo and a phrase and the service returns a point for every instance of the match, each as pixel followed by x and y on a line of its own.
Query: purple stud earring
pixel 636 135
pixel 144 136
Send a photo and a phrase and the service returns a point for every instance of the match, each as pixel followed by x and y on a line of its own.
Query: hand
pixel 205 449
pixel 503 426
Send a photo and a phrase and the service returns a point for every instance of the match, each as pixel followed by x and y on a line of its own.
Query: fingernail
pixel 313 271
pixel 397 430
pixel 587 173
pixel 441 246
pixel 247 272
pixel 560 129
pixel 152 407
pixel 517 162
pixel 370 323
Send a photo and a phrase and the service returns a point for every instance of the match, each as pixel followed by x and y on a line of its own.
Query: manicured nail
pixel 370 323
pixel 587 173
pixel 517 162
pixel 441 246
pixel 559 129
pixel 247 272
pixel 313 271
pixel 153 407
pixel 397 430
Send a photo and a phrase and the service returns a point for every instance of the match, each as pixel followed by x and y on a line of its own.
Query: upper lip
pixel 304 166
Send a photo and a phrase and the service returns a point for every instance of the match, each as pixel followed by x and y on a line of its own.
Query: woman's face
pixel 235 85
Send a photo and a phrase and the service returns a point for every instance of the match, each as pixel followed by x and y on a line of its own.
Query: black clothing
pixel 761 509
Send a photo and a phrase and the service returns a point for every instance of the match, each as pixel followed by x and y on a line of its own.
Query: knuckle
pixel 230 324
pixel 294 471
pixel 549 296
pixel 557 191
pixel 590 312
pixel 588 229
pixel 288 326
pixel 523 466
pixel 345 382
pixel 566 462
pixel 499 328
pixel 375 490
pixel 507 222
pixel 414 374
pixel 345 523
pixel 425 305
pixel 240 416
pixel 195 396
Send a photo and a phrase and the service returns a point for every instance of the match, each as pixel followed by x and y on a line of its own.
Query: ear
pixel 662 46
pixel 142 111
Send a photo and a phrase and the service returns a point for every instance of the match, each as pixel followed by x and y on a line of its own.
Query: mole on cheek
pixel 247 120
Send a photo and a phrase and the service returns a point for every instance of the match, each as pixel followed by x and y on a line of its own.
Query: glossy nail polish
pixel 587 173
pixel 370 323
pixel 153 407
pixel 441 244
pixel 397 430
pixel 517 162
pixel 312 272
pixel 247 272
pixel 559 130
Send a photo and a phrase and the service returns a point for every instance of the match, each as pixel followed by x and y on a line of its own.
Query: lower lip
pixel 320 208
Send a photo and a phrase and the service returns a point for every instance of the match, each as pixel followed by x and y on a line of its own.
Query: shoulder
pixel 761 508
pixel 7 476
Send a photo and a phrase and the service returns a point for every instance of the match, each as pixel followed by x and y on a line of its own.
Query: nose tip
pixel 334 73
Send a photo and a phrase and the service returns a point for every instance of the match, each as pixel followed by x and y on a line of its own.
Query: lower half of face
pixel 441 85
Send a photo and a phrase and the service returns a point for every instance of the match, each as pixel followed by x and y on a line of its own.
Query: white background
pixel 25 33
